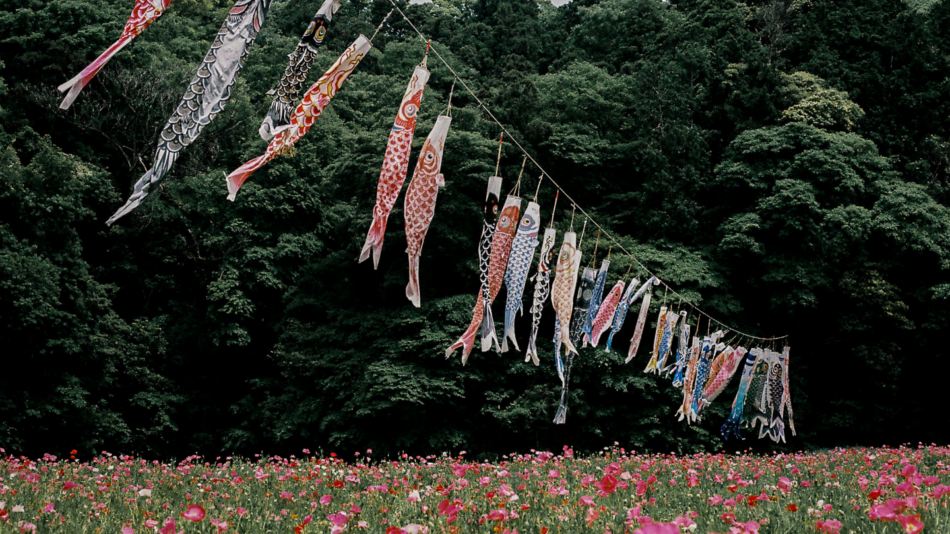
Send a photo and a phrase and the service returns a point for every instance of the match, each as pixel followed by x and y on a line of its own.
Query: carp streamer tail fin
pixel 374 240
pixel 237 178
pixel 75 85
pixel 489 336
pixel 412 290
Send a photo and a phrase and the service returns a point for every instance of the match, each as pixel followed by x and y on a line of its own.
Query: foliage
pixel 782 164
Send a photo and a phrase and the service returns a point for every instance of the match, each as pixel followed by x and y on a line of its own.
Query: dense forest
pixel 784 164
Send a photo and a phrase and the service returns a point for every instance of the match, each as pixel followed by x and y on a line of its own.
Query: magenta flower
pixel 194 512
pixel 169 527
pixel 326 499
pixel 831 526
pixel 586 500
pixel 940 491
pixel 882 512
pixel 784 485
pixel 658 528
pixel 911 524
pixel 128 530
pixel 338 519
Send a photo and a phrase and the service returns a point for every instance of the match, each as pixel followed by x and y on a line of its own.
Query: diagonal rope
pixel 544 173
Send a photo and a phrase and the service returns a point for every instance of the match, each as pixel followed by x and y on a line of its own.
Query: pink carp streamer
pixel 395 163
pixel 605 315
pixel 144 13
pixel 307 112
pixel 728 368
pixel 500 250
pixel 420 200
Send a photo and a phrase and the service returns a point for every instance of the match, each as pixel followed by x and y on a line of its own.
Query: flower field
pixel 842 490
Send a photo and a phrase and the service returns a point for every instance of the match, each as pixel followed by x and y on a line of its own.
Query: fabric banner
pixel 500 250
pixel 206 96
pixel 144 13
pixel 420 200
pixel 301 59
pixel 595 301
pixel 542 288
pixel 621 314
pixel 605 315
pixel 308 111
pixel 522 253
pixel 395 164
pixel 562 290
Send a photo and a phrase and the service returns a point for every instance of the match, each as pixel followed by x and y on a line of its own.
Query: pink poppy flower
pixel 169 527
pixel 658 528
pixel 241 511
pixel 326 499
pixel 911 524
pixel 338 519
pixel 831 526
pixel 586 500
pixel 715 499
pixel 608 484
pixel 69 485
pixel 498 515
pixel 904 489
pixel 194 512
pixel 128 530
pixel 784 485
pixel 882 512
pixel 151 523
pixel 641 488
pixel 940 491
pixel 592 515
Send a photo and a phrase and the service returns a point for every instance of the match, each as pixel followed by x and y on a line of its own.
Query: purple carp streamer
pixel 420 201
pixel 206 96
pixel 301 59
pixel 542 288
pixel 595 301
pixel 144 13
pixel 395 164
pixel 519 262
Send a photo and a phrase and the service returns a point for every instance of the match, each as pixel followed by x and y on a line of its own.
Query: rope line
pixel 544 173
